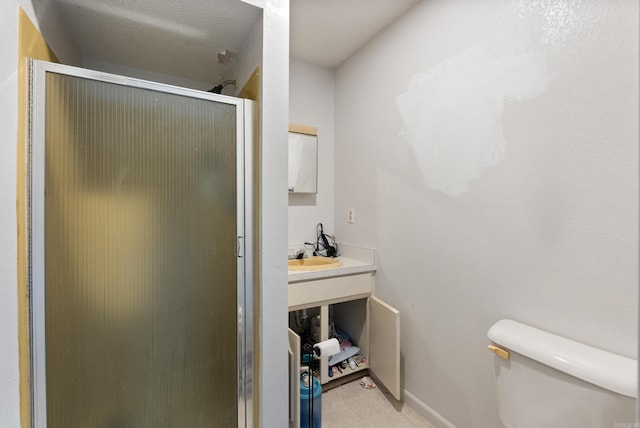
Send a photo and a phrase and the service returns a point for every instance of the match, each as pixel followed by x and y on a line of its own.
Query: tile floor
pixel 352 406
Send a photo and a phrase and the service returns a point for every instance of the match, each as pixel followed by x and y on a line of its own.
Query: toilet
pixel 545 380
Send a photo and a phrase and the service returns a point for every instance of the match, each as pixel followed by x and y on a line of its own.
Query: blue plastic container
pixel 306 398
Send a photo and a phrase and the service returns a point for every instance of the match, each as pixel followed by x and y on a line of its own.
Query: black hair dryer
pixel 323 245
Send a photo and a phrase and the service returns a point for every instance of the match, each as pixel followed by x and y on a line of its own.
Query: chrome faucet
pixel 299 254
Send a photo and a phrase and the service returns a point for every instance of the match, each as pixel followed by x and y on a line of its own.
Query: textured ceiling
pixel 326 32
pixel 179 38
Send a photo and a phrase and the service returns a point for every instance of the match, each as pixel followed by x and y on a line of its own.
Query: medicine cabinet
pixel 303 159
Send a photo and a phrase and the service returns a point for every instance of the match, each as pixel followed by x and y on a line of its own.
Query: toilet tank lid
pixel 605 369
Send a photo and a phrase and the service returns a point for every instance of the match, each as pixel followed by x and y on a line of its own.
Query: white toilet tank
pixel 548 381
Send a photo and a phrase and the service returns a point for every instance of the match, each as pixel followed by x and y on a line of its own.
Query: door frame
pixel 36 229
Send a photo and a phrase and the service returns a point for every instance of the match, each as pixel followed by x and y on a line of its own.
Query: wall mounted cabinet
pixel 303 159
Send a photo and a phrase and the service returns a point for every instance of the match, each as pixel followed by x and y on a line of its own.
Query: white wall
pixel 46 18
pixel 123 70
pixel 273 215
pixel 311 102
pixel 251 55
pixel 9 375
pixel 490 150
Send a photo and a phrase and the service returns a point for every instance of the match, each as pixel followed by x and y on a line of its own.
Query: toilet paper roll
pixel 327 348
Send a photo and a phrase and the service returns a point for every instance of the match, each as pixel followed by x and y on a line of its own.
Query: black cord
pixel 310 390
pixel 319 232
pixel 321 240
pixel 218 89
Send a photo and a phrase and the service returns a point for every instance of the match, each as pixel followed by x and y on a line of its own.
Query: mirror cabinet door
pixel 303 159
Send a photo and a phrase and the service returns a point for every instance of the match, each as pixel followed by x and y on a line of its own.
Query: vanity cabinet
pixel 373 325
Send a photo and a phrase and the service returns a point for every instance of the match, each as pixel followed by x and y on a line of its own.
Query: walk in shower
pixel 140 266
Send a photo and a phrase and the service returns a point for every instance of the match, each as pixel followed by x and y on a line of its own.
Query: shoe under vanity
pixel 342 299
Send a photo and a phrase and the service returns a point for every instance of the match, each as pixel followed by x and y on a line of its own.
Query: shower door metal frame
pixel 36 228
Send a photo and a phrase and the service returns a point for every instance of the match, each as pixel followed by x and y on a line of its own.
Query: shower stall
pixel 140 253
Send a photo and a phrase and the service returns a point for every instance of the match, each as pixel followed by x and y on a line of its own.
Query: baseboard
pixel 429 414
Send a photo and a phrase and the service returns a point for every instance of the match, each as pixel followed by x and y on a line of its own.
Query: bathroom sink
pixel 314 263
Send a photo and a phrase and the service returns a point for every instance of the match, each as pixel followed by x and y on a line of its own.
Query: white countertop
pixel 349 266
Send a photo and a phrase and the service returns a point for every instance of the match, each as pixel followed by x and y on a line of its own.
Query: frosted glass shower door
pixel 137 274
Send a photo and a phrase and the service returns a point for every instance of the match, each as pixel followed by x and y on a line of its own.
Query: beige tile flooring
pixel 352 406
